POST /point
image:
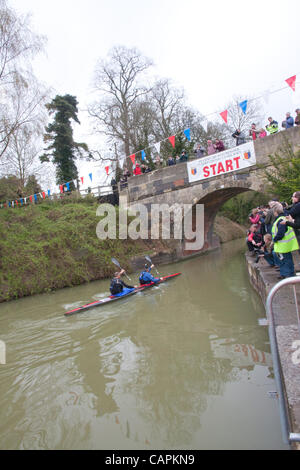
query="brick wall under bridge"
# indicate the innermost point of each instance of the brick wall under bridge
(171, 185)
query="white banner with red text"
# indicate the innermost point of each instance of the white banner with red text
(237, 158)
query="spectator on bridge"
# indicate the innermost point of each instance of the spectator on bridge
(145, 168)
(137, 171)
(289, 121)
(297, 119)
(272, 127)
(126, 173)
(158, 161)
(253, 132)
(171, 161)
(200, 151)
(239, 136)
(283, 124)
(211, 149)
(262, 133)
(184, 156)
(219, 146)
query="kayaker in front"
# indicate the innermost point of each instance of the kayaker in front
(118, 287)
(146, 276)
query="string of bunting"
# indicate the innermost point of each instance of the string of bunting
(291, 82)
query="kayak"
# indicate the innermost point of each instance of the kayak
(113, 298)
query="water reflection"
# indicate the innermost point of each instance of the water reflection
(157, 372)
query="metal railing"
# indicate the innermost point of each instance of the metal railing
(288, 436)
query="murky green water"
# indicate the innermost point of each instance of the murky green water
(183, 365)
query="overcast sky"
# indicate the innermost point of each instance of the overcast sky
(214, 49)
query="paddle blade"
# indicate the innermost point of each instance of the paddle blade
(116, 262)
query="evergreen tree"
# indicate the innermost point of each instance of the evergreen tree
(63, 149)
(284, 174)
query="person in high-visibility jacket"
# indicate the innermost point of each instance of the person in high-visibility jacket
(285, 242)
(272, 127)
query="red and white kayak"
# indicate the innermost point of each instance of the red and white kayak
(113, 298)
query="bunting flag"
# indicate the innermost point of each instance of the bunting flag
(143, 155)
(21, 201)
(13, 203)
(132, 158)
(68, 186)
(187, 133)
(266, 96)
(43, 194)
(35, 197)
(17, 203)
(224, 115)
(91, 176)
(25, 200)
(107, 169)
(30, 197)
(81, 177)
(292, 82)
(172, 140)
(204, 124)
(61, 188)
(49, 192)
(243, 105)
(157, 146)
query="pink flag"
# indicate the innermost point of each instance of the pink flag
(172, 140)
(61, 187)
(107, 169)
(81, 177)
(292, 82)
(30, 197)
(132, 158)
(224, 115)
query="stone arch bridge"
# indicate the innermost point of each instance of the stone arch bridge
(172, 185)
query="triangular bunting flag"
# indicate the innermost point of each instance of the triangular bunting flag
(157, 146)
(224, 115)
(243, 106)
(68, 186)
(132, 158)
(204, 124)
(107, 169)
(61, 188)
(172, 140)
(81, 177)
(292, 82)
(143, 155)
(49, 192)
(91, 176)
(35, 197)
(187, 133)
(43, 194)
(30, 197)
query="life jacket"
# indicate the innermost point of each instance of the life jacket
(288, 243)
(116, 286)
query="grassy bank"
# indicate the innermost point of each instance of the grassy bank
(54, 245)
(51, 246)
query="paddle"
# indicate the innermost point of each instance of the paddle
(150, 261)
(116, 262)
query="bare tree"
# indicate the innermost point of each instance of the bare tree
(118, 84)
(237, 119)
(18, 44)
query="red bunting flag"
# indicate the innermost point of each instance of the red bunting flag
(292, 82)
(44, 194)
(61, 187)
(30, 197)
(224, 115)
(81, 177)
(132, 158)
(172, 140)
(17, 202)
(107, 169)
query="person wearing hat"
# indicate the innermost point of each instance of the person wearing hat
(117, 285)
(146, 276)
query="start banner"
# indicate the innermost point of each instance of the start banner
(237, 158)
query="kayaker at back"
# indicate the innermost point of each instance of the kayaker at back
(117, 285)
(146, 276)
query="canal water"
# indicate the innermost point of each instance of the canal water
(184, 365)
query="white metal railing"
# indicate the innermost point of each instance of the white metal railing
(288, 436)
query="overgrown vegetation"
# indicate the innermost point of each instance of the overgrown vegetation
(54, 245)
(239, 207)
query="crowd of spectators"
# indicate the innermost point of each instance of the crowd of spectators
(274, 234)
(215, 146)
